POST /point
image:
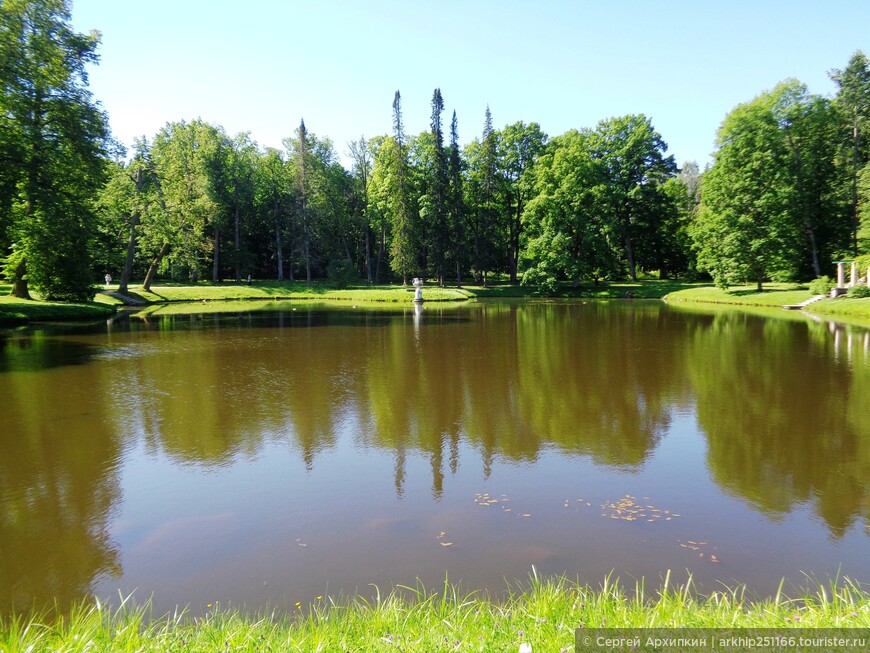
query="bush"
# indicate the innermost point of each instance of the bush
(821, 286)
(341, 273)
(859, 292)
(538, 278)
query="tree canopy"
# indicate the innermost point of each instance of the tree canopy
(787, 191)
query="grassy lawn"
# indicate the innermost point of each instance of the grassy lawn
(274, 290)
(776, 295)
(16, 311)
(207, 291)
(544, 615)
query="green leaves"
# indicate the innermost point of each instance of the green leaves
(52, 145)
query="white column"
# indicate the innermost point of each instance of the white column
(841, 275)
(854, 280)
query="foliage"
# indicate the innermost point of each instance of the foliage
(53, 143)
(859, 292)
(601, 203)
(821, 285)
(342, 273)
(742, 231)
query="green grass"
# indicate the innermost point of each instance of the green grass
(544, 614)
(207, 291)
(16, 311)
(774, 294)
(266, 290)
(777, 295)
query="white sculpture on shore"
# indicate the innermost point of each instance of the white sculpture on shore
(418, 292)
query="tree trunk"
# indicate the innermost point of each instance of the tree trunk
(155, 263)
(279, 246)
(216, 263)
(629, 255)
(368, 235)
(808, 224)
(237, 243)
(381, 248)
(856, 225)
(307, 261)
(127, 272)
(19, 282)
(515, 239)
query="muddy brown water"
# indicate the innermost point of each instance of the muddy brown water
(268, 459)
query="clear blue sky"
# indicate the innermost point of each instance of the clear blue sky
(261, 65)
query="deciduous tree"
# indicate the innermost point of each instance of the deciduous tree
(53, 142)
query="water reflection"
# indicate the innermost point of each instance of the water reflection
(61, 447)
(784, 425)
(781, 406)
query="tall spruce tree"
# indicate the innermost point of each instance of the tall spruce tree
(437, 228)
(456, 199)
(403, 248)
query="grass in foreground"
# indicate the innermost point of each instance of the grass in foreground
(544, 615)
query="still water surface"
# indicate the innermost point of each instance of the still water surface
(273, 458)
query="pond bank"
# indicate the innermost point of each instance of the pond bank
(856, 311)
(544, 615)
(16, 312)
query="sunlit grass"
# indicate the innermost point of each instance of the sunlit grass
(775, 295)
(542, 613)
(17, 311)
(264, 290)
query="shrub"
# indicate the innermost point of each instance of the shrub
(821, 286)
(341, 273)
(859, 292)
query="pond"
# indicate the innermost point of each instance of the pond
(274, 458)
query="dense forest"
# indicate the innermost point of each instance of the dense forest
(788, 190)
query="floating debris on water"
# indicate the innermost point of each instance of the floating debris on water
(441, 535)
(703, 549)
(628, 509)
(485, 499)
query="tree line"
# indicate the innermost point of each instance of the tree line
(786, 193)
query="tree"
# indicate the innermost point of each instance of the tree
(361, 157)
(808, 124)
(403, 248)
(273, 198)
(436, 220)
(743, 231)
(483, 201)
(301, 147)
(769, 203)
(233, 182)
(854, 99)
(630, 191)
(126, 200)
(53, 142)
(175, 235)
(562, 220)
(456, 213)
(519, 146)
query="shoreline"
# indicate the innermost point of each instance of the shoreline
(15, 312)
(542, 613)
